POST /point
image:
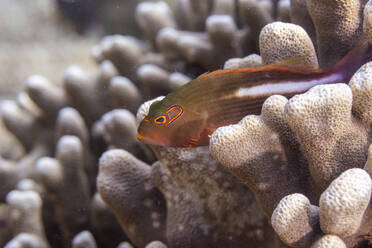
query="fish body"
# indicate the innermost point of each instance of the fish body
(190, 114)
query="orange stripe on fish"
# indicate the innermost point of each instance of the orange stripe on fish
(194, 139)
(176, 116)
(190, 144)
(252, 70)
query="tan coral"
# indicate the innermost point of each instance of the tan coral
(49, 97)
(266, 169)
(123, 51)
(367, 21)
(368, 165)
(122, 179)
(361, 86)
(125, 245)
(221, 42)
(296, 221)
(343, 204)
(329, 241)
(153, 75)
(302, 145)
(84, 239)
(281, 41)
(338, 27)
(119, 129)
(124, 93)
(255, 15)
(156, 244)
(300, 15)
(106, 227)
(8, 221)
(250, 61)
(26, 240)
(341, 214)
(85, 90)
(152, 16)
(27, 206)
(66, 174)
(331, 139)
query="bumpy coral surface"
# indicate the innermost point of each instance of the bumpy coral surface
(299, 173)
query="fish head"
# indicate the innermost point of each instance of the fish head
(161, 125)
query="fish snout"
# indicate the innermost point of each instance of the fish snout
(151, 138)
(139, 136)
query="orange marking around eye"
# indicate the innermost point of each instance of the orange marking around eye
(177, 115)
(165, 119)
(147, 121)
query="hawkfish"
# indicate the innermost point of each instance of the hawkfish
(189, 115)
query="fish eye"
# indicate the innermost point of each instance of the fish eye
(160, 120)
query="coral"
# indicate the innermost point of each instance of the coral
(299, 14)
(66, 174)
(7, 222)
(26, 240)
(252, 60)
(156, 244)
(339, 215)
(316, 124)
(256, 14)
(28, 227)
(329, 241)
(42, 119)
(82, 179)
(104, 224)
(124, 245)
(296, 221)
(84, 239)
(338, 32)
(343, 204)
(124, 93)
(152, 17)
(281, 41)
(368, 166)
(120, 123)
(367, 27)
(125, 185)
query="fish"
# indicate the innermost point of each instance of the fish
(189, 115)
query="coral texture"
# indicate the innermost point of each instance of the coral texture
(299, 172)
(309, 123)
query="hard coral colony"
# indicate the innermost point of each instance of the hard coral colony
(297, 175)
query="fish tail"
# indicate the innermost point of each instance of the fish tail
(353, 60)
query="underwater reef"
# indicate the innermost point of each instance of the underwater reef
(297, 175)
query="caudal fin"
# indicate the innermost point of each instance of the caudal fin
(353, 60)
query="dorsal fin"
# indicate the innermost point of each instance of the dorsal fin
(300, 63)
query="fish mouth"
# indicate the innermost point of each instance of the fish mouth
(140, 137)
(151, 139)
